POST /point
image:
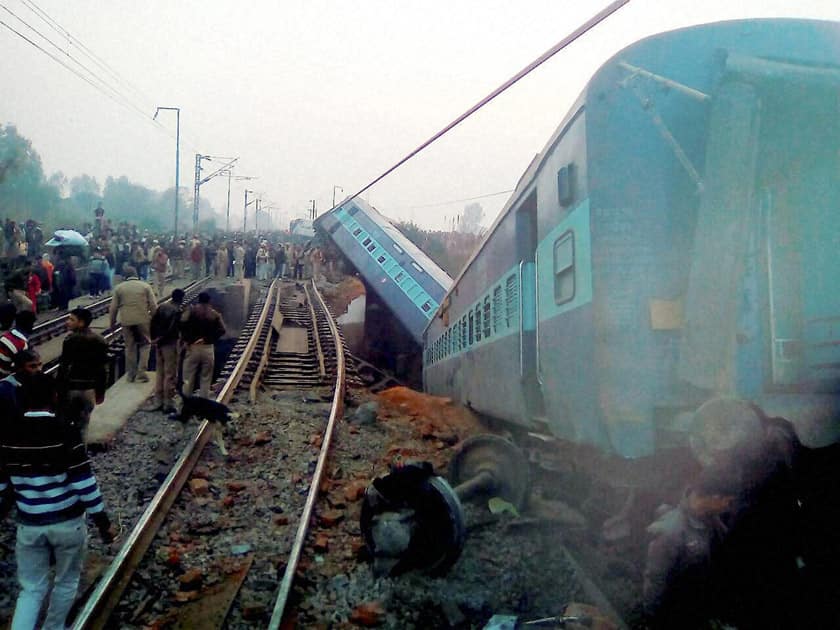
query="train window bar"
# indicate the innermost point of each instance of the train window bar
(398, 248)
(417, 267)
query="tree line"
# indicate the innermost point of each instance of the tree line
(58, 201)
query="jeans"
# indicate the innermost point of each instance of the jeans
(67, 542)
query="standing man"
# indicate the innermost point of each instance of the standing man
(196, 258)
(239, 261)
(43, 460)
(201, 327)
(81, 370)
(14, 340)
(135, 302)
(164, 330)
(280, 261)
(159, 263)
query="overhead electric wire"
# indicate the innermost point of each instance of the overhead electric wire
(93, 76)
(581, 30)
(94, 79)
(72, 39)
(446, 203)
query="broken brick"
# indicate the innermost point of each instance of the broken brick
(368, 614)
(199, 487)
(330, 518)
(355, 490)
(191, 580)
(200, 472)
(228, 501)
(236, 486)
(253, 611)
(281, 520)
(186, 596)
(321, 543)
(263, 437)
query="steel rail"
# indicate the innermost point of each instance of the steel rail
(108, 592)
(336, 413)
(319, 350)
(42, 332)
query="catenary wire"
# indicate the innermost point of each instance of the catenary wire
(578, 32)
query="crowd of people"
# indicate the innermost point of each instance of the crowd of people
(38, 277)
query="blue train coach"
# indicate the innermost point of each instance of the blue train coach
(676, 240)
(409, 283)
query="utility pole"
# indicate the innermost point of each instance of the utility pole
(257, 216)
(199, 180)
(245, 212)
(238, 178)
(312, 209)
(334, 189)
(177, 111)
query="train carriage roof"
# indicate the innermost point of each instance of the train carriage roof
(803, 32)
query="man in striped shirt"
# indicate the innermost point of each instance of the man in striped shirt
(14, 340)
(44, 463)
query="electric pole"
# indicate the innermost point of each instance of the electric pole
(312, 209)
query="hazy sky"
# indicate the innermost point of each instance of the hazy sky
(321, 93)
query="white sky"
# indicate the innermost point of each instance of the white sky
(317, 93)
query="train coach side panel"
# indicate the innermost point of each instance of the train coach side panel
(472, 348)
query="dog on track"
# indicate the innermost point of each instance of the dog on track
(216, 413)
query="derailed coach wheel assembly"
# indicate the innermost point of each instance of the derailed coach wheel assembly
(413, 519)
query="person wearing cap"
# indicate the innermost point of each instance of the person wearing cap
(201, 327)
(176, 254)
(160, 261)
(134, 302)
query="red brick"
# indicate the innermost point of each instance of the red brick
(368, 614)
(330, 518)
(199, 487)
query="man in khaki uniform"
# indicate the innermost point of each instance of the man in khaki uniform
(165, 325)
(135, 303)
(201, 327)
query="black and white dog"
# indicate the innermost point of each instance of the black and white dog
(216, 413)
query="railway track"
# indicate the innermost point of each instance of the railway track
(253, 365)
(57, 325)
(113, 336)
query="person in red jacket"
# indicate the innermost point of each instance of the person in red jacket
(33, 288)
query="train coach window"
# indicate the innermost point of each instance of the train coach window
(366, 242)
(478, 323)
(498, 309)
(487, 331)
(564, 268)
(399, 277)
(566, 185)
(371, 247)
(357, 231)
(464, 332)
(471, 336)
(511, 301)
(380, 260)
(427, 306)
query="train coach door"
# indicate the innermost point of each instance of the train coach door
(526, 249)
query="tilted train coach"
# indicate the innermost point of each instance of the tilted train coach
(676, 240)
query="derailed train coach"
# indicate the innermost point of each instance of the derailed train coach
(675, 241)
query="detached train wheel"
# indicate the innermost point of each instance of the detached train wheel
(501, 460)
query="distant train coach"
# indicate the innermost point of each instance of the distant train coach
(675, 241)
(407, 281)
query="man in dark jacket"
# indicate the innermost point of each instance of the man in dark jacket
(201, 327)
(164, 333)
(82, 367)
